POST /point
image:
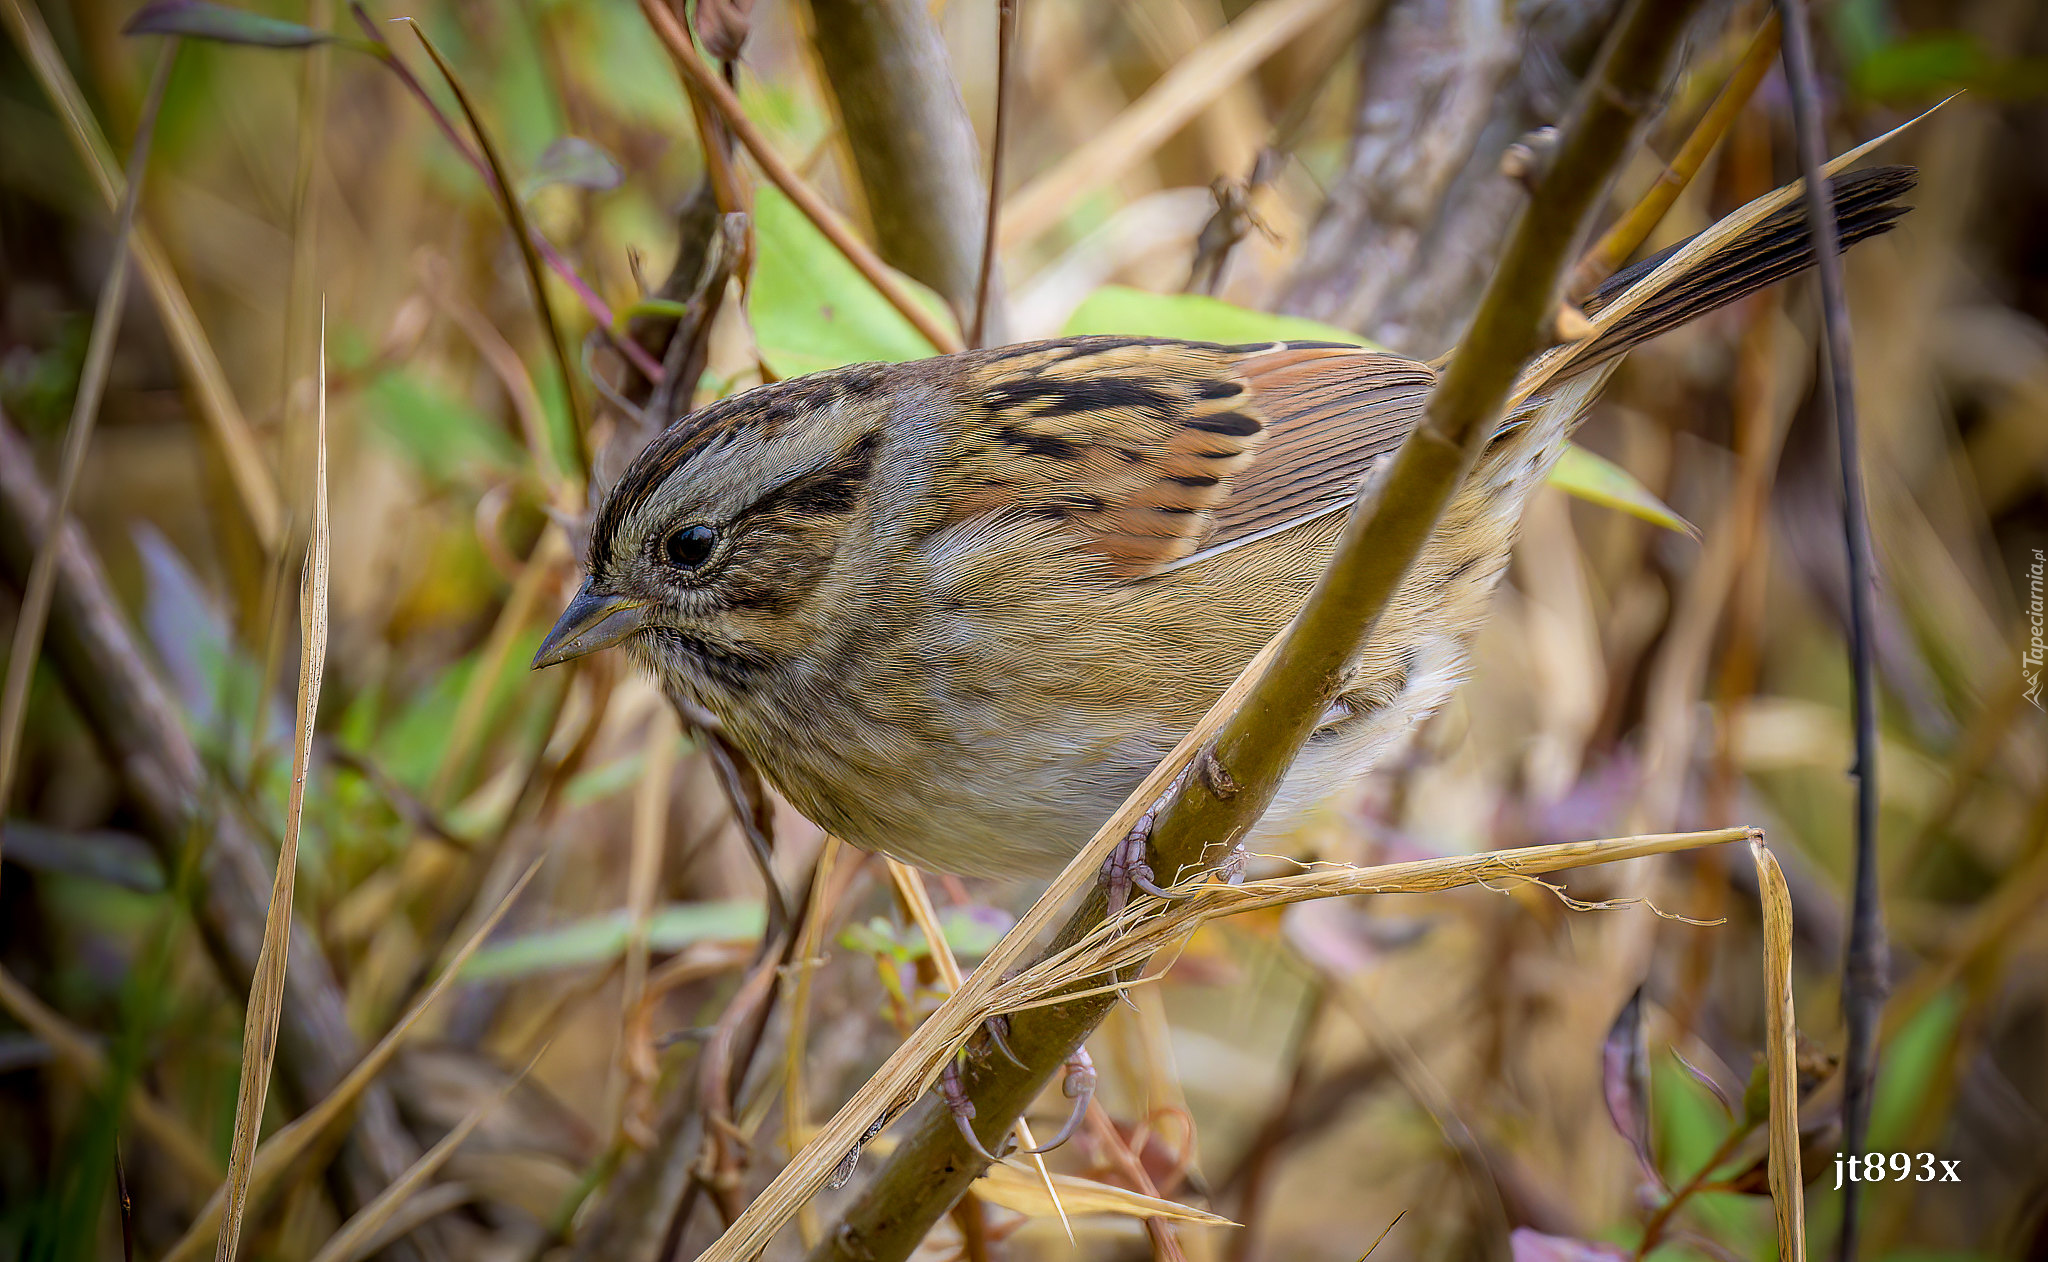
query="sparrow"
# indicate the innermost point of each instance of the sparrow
(957, 609)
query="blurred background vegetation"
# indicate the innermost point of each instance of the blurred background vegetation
(1308, 1074)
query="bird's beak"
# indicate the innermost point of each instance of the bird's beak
(594, 620)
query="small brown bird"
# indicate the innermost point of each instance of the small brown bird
(957, 609)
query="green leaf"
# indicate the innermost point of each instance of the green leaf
(200, 19)
(811, 309)
(1600, 481)
(1195, 317)
(577, 162)
(597, 939)
(1915, 1060)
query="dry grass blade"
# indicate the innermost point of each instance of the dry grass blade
(910, 886)
(34, 613)
(163, 1127)
(703, 80)
(298, 1137)
(799, 975)
(634, 1070)
(215, 400)
(1787, 1183)
(1179, 95)
(363, 1233)
(1631, 230)
(1014, 1190)
(266, 988)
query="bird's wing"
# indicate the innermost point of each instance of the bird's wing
(1149, 451)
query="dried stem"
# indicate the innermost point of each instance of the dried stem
(1006, 39)
(1864, 969)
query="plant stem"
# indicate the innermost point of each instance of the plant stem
(1864, 967)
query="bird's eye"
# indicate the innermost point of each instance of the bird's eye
(690, 547)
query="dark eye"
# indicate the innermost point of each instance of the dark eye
(690, 547)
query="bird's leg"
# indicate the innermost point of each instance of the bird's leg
(954, 1092)
(1126, 865)
(1077, 1085)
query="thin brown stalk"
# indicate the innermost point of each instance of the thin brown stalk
(266, 989)
(536, 279)
(704, 80)
(1254, 746)
(803, 968)
(34, 612)
(1631, 230)
(1864, 966)
(1006, 39)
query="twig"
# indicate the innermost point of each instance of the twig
(1006, 37)
(1180, 94)
(1864, 968)
(704, 80)
(85, 413)
(1632, 229)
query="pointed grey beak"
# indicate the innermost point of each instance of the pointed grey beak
(594, 620)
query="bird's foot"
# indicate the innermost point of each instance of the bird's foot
(954, 1091)
(1077, 1085)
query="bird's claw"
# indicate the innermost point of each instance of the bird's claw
(997, 1028)
(954, 1092)
(1126, 867)
(1079, 1086)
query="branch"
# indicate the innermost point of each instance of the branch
(1388, 527)
(1864, 968)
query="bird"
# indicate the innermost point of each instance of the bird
(956, 609)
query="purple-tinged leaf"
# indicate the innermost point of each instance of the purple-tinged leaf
(1706, 1080)
(1525, 1245)
(201, 19)
(1625, 1080)
(575, 161)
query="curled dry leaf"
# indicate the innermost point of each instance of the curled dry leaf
(1625, 1081)
(723, 25)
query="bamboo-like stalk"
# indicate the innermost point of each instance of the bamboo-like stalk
(1271, 710)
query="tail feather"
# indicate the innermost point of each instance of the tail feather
(1777, 247)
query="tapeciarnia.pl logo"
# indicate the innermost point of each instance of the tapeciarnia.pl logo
(2036, 652)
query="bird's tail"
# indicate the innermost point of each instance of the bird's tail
(1777, 246)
